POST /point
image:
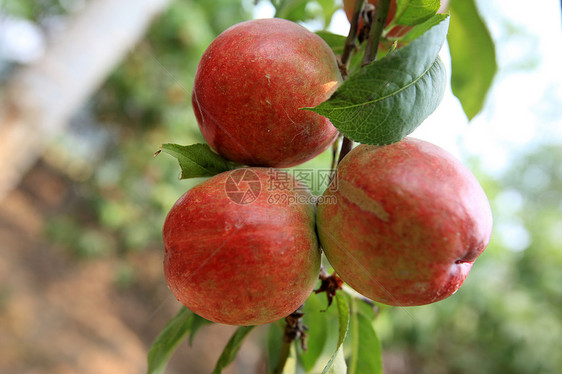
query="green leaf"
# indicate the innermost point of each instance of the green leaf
(343, 317)
(172, 334)
(367, 310)
(316, 321)
(339, 366)
(293, 10)
(274, 343)
(366, 355)
(291, 365)
(422, 28)
(335, 41)
(328, 8)
(414, 12)
(473, 56)
(196, 323)
(335, 364)
(232, 347)
(305, 10)
(390, 98)
(197, 160)
(337, 44)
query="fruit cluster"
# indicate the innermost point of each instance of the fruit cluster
(405, 223)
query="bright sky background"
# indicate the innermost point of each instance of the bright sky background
(524, 107)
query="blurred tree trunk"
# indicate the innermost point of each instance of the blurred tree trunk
(39, 99)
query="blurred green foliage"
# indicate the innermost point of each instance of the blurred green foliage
(507, 318)
(320, 11)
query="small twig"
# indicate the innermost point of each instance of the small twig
(379, 21)
(350, 41)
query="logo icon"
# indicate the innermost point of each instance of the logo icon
(242, 186)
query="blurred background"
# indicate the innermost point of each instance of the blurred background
(90, 89)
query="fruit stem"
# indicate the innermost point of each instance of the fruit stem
(350, 43)
(379, 20)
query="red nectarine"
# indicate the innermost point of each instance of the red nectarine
(250, 85)
(241, 247)
(409, 222)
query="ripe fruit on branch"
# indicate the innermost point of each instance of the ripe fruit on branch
(241, 247)
(408, 224)
(250, 85)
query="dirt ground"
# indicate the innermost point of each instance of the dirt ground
(62, 314)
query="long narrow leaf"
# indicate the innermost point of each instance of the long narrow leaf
(338, 366)
(291, 365)
(473, 56)
(354, 335)
(366, 349)
(335, 364)
(316, 319)
(196, 323)
(274, 343)
(232, 347)
(164, 345)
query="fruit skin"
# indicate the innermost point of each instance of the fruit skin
(408, 223)
(250, 85)
(242, 264)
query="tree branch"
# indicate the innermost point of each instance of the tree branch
(379, 21)
(350, 43)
